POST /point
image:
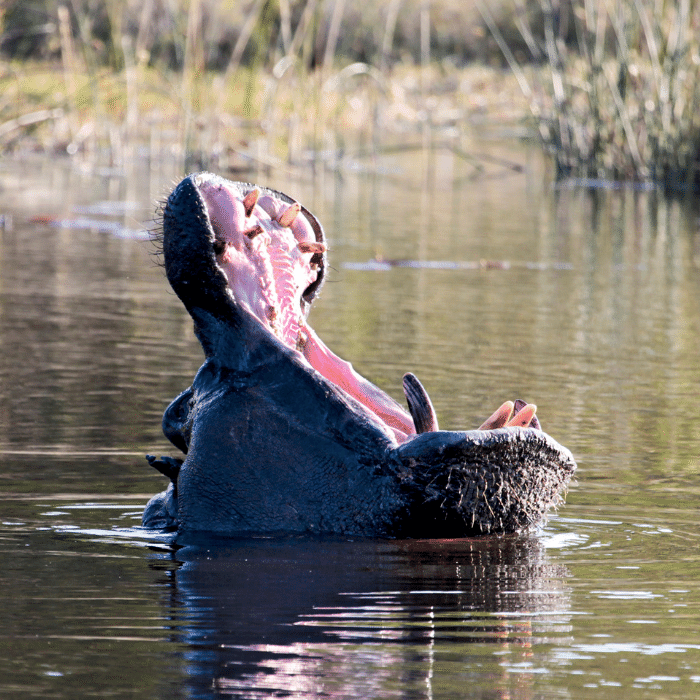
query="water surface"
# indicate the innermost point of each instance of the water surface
(586, 302)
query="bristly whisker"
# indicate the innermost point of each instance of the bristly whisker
(155, 239)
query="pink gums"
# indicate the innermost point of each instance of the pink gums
(266, 257)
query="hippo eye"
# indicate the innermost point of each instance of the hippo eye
(219, 246)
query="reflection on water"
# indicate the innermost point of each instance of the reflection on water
(595, 317)
(364, 619)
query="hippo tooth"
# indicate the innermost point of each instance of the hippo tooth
(523, 417)
(306, 247)
(255, 231)
(288, 216)
(250, 200)
(419, 404)
(519, 405)
(500, 417)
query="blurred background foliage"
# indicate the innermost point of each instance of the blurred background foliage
(609, 87)
(381, 33)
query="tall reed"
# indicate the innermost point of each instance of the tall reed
(623, 101)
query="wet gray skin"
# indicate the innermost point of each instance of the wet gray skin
(282, 436)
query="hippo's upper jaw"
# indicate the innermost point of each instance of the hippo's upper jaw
(281, 435)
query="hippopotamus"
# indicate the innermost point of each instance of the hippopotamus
(282, 436)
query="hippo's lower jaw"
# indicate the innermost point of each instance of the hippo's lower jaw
(283, 436)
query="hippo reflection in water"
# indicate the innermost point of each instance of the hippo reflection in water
(281, 435)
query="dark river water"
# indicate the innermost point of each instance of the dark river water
(586, 302)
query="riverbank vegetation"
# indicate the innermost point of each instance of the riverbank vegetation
(610, 88)
(618, 96)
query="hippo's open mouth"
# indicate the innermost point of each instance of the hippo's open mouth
(273, 253)
(280, 434)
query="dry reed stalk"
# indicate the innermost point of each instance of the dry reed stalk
(303, 27)
(141, 50)
(192, 72)
(333, 32)
(424, 45)
(68, 65)
(67, 50)
(389, 30)
(505, 49)
(285, 26)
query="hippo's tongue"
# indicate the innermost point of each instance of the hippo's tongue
(344, 376)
